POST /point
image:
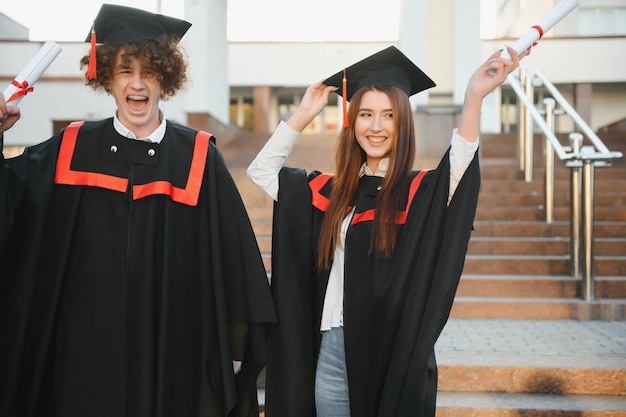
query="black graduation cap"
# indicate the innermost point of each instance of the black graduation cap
(388, 67)
(117, 25)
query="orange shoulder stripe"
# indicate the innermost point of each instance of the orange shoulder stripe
(65, 175)
(401, 216)
(319, 201)
(188, 195)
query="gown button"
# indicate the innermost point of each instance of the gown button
(378, 188)
(113, 148)
(151, 152)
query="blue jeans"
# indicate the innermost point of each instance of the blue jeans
(331, 377)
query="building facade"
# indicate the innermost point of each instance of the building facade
(253, 85)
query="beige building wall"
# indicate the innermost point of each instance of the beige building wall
(441, 36)
(441, 50)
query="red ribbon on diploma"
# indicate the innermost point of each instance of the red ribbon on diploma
(23, 89)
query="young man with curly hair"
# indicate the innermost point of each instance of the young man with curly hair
(132, 283)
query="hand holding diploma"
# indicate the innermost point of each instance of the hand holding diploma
(562, 9)
(23, 84)
(8, 116)
(26, 79)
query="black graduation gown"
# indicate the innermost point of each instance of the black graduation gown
(394, 309)
(124, 264)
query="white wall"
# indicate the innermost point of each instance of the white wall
(295, 64)
(207, 47)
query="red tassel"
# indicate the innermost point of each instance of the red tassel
(92, 71)
(344, 94)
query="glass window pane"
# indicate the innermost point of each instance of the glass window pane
(621, 22)
(606, 22)
(586, 22)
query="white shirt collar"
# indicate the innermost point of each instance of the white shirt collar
(383, 165)
(156, 136)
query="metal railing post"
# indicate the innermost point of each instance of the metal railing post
(575, 140)
(549, 104)
(588, 285)
(581, 160)
(521, 124)
(528, 133)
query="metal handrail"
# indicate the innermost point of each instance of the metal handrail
(530, 107)
(603, 155)
(595, 140)
(580, 159)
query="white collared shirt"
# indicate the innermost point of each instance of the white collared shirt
(332, 313)
(156, 136)
(263, 171)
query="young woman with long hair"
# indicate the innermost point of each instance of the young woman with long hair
(366, 262)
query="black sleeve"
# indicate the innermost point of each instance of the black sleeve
(238, 338)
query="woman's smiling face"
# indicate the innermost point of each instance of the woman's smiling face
(137, 93)
(374, 127)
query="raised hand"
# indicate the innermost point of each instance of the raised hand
(314, 100)
(493, 72)
(8, 115)
(485, 79)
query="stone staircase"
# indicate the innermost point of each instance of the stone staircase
(517, 271)
(518, 265)
(516, 275)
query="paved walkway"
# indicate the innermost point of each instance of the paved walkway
(536, 342)
(543, 343)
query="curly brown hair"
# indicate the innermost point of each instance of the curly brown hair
(163, 55)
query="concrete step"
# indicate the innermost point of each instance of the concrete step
(537, 213)
(537, 368)
(543, 308)
(527, 228)
(500, 184)
(471, 404)
(496, 404)
(262, 223)
(568, 357)
(265, 244)
(538, 265)
(544, 245)
(262, 228)
(537, 286)
(516, 178)
(495, 212)
(536, 198)
(261, 212)
(454, 404)
(519, 375)
(608, 221)
(520, 245)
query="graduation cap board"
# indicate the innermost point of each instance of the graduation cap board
(117, 25)
(389, 67)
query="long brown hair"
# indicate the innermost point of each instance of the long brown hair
(348, 160)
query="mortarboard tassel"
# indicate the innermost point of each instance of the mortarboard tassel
(92, 71)
(344, 94)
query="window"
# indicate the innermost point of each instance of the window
(602, 21)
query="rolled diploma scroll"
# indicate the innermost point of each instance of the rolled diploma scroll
(23, 83)
(562, 9)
